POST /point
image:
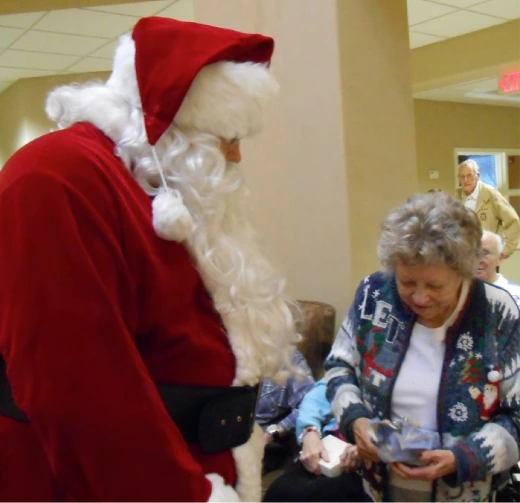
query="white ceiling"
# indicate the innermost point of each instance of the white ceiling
(82, 40)
(432, 21)
(435, 20)
(72, 40)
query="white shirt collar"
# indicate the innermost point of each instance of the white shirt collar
(500, 281)
(475, 193)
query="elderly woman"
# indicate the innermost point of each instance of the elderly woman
(426, 341)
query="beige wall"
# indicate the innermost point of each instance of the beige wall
(295, 168)
(22, 108)
(12, 131)
(442, 126)
(378, 119)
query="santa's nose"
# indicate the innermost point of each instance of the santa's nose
(233, 153)
(231, 149)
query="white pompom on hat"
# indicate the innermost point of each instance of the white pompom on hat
(494, 375)
(171, 219)
(198, 77)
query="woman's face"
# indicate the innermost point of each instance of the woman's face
(431, 292)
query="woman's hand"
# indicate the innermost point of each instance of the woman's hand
(367, 450)
(440, 463)
(312, 451)
(349, 459)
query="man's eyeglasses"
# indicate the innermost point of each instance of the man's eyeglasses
(466, 177)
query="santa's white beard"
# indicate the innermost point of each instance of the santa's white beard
(246, 290)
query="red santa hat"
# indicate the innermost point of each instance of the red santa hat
(198, 77)
(201, 77)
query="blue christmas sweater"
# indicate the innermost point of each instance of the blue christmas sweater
(481, 427)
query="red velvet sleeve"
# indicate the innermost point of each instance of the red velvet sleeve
(75, 371)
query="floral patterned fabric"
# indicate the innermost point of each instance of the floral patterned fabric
(479, 392)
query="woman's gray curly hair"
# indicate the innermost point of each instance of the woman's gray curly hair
(430, 229)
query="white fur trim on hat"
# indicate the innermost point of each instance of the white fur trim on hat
(123, 77)
(221, 491)
(227, 99)
(171, 219)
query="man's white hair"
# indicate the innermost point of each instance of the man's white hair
(498, 240)
(470, 164)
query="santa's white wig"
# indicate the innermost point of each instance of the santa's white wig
(203, 198)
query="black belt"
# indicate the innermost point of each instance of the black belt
(216, 418)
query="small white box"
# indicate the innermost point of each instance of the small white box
(335, 448)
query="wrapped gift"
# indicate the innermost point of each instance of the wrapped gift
(335, 448)
(402, 440)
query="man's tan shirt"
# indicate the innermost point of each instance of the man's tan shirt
(496, 215)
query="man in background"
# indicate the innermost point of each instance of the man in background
(492, 247)
(494, 212)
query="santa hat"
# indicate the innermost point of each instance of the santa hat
(201, 77)
(197, 77)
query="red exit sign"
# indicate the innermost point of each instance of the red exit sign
(510, 82)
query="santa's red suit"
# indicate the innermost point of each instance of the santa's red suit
(96, 310)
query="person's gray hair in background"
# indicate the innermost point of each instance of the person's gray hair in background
(429, 229)
(498, 240)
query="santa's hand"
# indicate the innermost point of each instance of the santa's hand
(440, 462)
(221, 491)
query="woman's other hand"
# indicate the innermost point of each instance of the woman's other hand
(367, 451)
(312, 451)
(440, 462)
